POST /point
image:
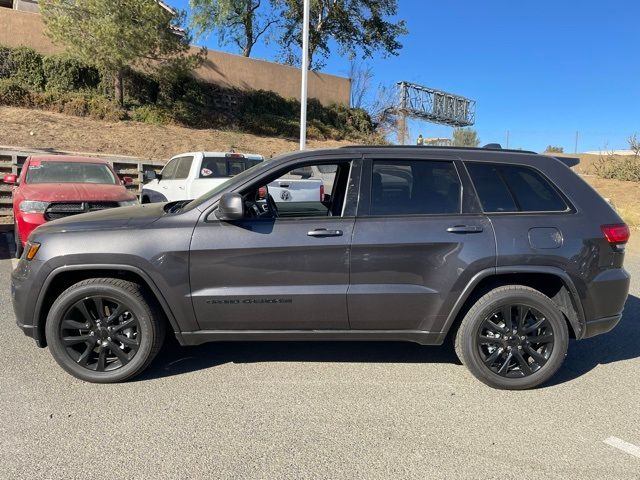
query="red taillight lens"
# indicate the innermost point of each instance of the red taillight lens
(616, 233)
(321, 193)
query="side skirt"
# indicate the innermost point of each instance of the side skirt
(203, 336)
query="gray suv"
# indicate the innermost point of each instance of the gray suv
(506, 253)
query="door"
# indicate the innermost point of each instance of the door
(174, 178)
(265, 272)
(418, 240)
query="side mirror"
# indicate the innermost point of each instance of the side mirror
(12, 179)
(230, 207)
(304, 172)
(127, 180)
(151, 175)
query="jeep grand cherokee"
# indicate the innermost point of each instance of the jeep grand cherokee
(508, 253)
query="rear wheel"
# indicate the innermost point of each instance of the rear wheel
(513, 338)
(17, 241)
(104, 330)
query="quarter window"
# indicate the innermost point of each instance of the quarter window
(414, 187)
(513, 188)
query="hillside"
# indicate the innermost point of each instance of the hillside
(27, 128)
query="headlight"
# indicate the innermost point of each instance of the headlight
(33, 206)
(128, 203)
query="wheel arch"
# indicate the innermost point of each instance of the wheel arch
(551, 281)
(63, 277)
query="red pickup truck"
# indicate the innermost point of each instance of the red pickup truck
(52, 187)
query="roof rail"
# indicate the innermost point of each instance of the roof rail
(435, 147)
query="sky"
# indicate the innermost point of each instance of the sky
(540, 70)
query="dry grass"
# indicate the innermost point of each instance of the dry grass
(75, 134)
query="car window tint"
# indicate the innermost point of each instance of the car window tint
(533, 193)
(235, 167)
(493, 192)
(406, 187)
(169, 171)
(513, 188)
(69, 172)
(213, 167)
(183, 168)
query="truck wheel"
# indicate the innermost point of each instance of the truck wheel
(104, 330)
(513, 338)
(17, 241)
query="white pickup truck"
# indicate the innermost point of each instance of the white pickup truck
(189, 175)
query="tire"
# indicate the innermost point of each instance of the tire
(88, 351)
(502, 359)
(18, 242)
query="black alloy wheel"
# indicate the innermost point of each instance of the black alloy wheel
(513, 337)
(100, 333)
(515, 341)
(105, 330)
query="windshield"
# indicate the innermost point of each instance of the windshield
(239, 178)
(69, 172)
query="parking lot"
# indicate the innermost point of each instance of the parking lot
(319, 410)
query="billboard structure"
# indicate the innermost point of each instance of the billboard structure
(435, 106)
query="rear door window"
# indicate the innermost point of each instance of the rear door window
(414, 187)
(514, 188)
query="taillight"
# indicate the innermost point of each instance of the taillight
(321, 193)
(616, 234)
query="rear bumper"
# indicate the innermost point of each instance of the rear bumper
(600, 326)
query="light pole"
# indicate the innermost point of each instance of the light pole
(305, 76)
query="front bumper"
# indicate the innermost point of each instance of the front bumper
(26, 283)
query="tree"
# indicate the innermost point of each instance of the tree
(361, 76)
(356, 26)
(240, 22)
(117, 34)
(554, 149)
(465, 137)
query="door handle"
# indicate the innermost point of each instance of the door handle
(181, 188)
(323, 232)
(465, 229)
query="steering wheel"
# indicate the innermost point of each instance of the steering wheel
(273, 208)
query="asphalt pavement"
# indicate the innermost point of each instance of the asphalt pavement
(320, 410)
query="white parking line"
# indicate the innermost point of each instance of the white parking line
(14, 263)
(620, 444)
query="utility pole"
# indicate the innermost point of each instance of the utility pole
(402, 120)
(507, 138)
(575, 149)
(305, 76)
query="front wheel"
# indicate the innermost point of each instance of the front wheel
(513, 338)
(104, 330)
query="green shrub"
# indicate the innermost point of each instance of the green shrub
(140, 87)
(104, 109)
(76, 106)
(7, 67)
(67, 74)
(28, 69)
(13, 94)
(152, 114)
